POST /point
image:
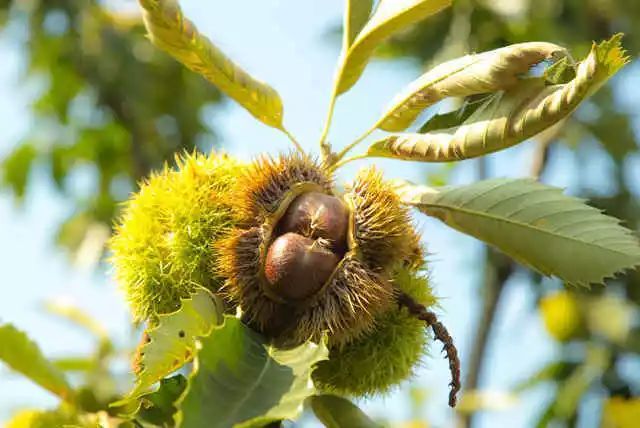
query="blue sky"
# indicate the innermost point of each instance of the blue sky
(282, 42)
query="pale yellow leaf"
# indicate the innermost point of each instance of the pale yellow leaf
(485, 400)
(356, 15)
(470, 75)
(508, 117)
(171, 31)
(389, 17)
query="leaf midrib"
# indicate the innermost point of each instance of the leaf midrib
(252, 388)
(524, 226)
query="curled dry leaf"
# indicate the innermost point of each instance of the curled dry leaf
(508, 117)
(470, 75)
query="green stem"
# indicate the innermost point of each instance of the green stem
(292, 139)
(342, 162)
(325, 146)
(357, 141)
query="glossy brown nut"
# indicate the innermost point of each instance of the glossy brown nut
(317, 215)
(296, 267)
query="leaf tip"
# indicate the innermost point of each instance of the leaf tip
(611, 53)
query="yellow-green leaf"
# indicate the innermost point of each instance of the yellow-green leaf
(535, 224)
(171, 31)
(571, 392)
(23, 356)
(389, 17)
(172, 341)
(78, 317)
(470, 75)
(508, 117)
(356, 15)
(75, 364)
(621, 412)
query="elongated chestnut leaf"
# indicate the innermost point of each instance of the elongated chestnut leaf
(508, 117)
(389, 17)
(338, 412)
(486, 72)
(535, 224)
(172, 341)
(22, 355)
(172, 32)
(356, 15)
(242, 381)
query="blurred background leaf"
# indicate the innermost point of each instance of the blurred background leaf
(337, 412)
(104, 109)
(24, 356)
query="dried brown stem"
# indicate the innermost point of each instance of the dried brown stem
(440, 331)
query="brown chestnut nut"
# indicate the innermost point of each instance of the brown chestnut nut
(296, 267)
(317, 215)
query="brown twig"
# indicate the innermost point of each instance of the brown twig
(440, 331)
(541, 153)
(498, 269)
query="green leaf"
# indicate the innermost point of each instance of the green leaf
(242, 381)
(356, 15)
(16, 166)
(571, 391)
(172, 342)
(78, 317)
(75, 364)
(172, 32)
(535, 224)
(338, 412)
(389, 17)
(454, 117)
(158, 408)
(23, 356)
(508, 117)
(470, 75)
(556, 371)
(560, 72)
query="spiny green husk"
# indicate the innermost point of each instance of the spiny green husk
(163, 246)
(381, 359)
